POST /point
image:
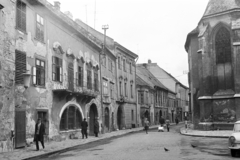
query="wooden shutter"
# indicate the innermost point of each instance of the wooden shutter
(53, 69)
(21, 15)
(20, 66)
(34, 77)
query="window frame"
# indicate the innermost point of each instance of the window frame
(20, 66)
(41, 25)
(41, 69)
(58, 67)
(22, 14)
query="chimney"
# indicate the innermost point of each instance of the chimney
(149, 61)
(57, 5)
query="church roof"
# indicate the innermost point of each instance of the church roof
(218, 6)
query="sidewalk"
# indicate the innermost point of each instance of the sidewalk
(212, 134)
(55, 147)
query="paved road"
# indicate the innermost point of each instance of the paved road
(141, 146)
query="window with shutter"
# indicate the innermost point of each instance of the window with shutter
(20, 66)
(89, 79)
(40, 28)
(80, 76)
(21, 16)
(40, 72)
(96, 81)
(56, 69)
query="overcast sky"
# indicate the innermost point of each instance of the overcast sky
(153, 29)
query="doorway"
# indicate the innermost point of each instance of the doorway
(93, 114)
(106, 119)
(119, 117)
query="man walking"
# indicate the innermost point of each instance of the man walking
(39, 132)
(162, 121)
(84, 125)
(167, 123)
(146, 125)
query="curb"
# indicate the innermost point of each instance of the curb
(207, 136)
(70, 148)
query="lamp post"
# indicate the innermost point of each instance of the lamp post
(104, 27)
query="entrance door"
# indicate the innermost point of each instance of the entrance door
(70, 77)
(93, 115)
(107, 119)
(20, 129)
(119, 118)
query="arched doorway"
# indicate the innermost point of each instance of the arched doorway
(119, 117)
(106, 120)
(160, 114)
(93, 114)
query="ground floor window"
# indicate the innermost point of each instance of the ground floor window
(71, 119)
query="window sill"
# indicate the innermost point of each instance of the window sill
(37, 86)
(20, 30)
(72, 130)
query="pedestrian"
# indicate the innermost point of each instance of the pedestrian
(186, 122)
(161, 121)
(168, 123)
(84, 126)
(39, 132)
(146, 125)
(96, 127)
(176, 120)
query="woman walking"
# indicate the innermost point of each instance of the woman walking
(146, 125)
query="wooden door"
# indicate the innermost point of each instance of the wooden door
(20, 129)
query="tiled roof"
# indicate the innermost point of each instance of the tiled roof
(218, 6)
(148, 77)
(141, 82)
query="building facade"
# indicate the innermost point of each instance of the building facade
(126, 84)
(213, 51)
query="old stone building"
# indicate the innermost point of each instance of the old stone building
(152, 96)
(213, 53)
(126, 84)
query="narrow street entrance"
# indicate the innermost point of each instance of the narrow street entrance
(93, 114)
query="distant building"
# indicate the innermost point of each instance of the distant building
(213, 53)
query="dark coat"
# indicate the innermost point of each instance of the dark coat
(41, 131)
(96, 127)
(162, 121)
(84, 125)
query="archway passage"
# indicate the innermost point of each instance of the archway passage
(106, 122)
(119, 117)
(71, 119)
(93, 115)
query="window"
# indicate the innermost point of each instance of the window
(110, 67)
(104, 61)
(119, 63)
(132, 115)
(40, 28)
(131, 90)
(224, 59)
(124, 65)
(141, 97)
(120, 87)
(80, 76)
(130, 67)
(39, 73)
(44, 117)
(21, 16)
(147, 97)
(112, 90)
(125, 88)
(105, 87)
(71, 119)
(89, 79)
(20, 66)
(57, 69)
(96, 81)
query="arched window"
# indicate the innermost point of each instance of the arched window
(71, 119)
(223, 59)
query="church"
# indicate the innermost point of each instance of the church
(213, 49)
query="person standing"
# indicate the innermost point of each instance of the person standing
(168, 123)
(96, 127)
(39, 132)
(84, 126)
(146, 125)
(176, 120)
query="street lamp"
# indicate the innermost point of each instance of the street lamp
(104, 27)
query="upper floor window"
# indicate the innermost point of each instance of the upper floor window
(39, 73)
(120, 87)
(105, 87)
(125, 88)
(104, 61)
(96, 81)
(40, 28)
(20, 66)
(110, 65)
(131, 90)
(56, 69)
(89, 78)
(80, 76)
(119, 63)
(124, 65)
(21, 16)
(111, 90)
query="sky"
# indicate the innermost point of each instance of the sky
(153, 29)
